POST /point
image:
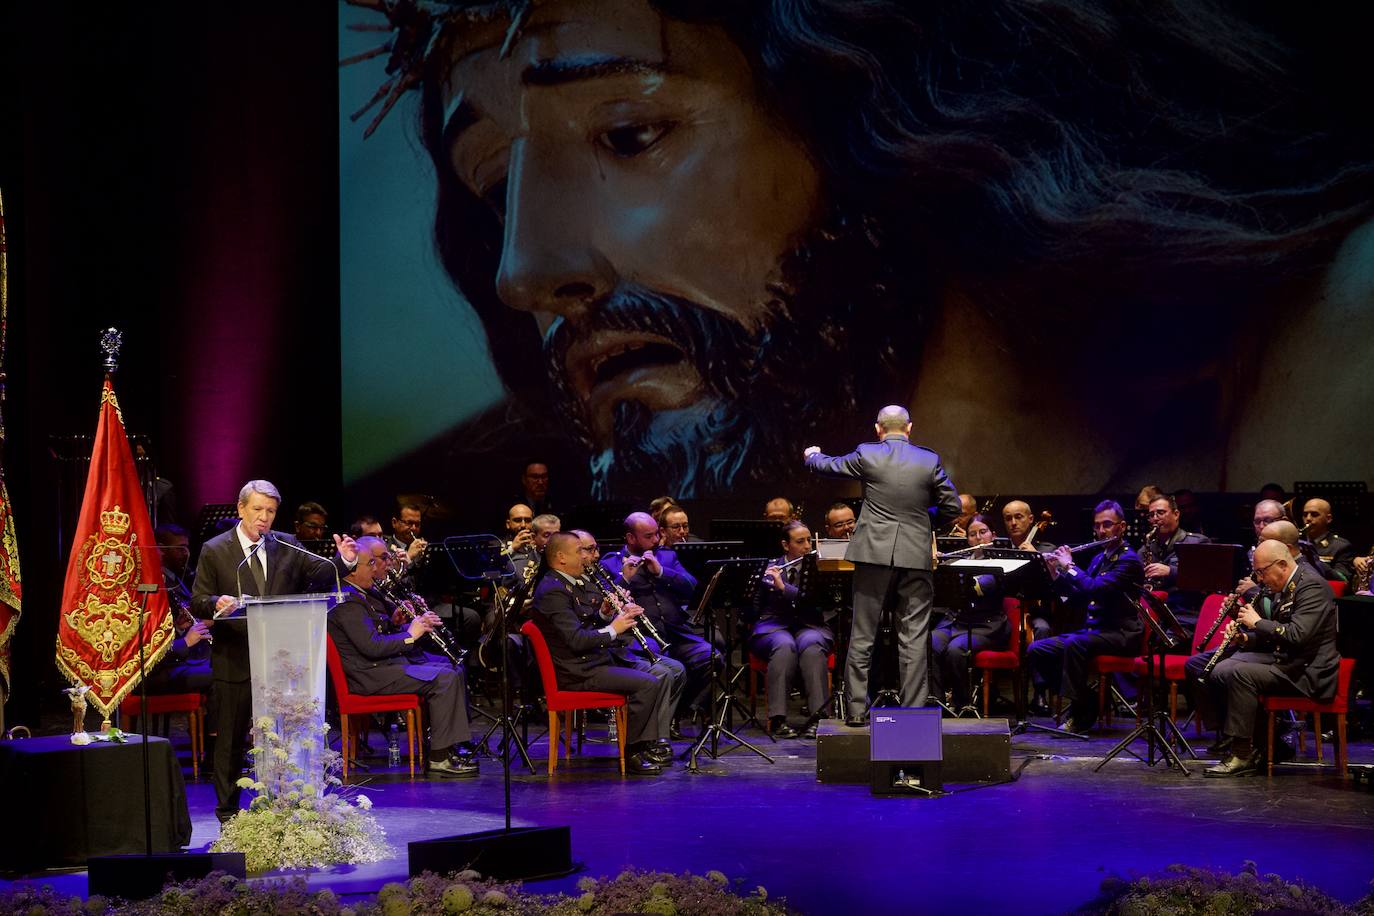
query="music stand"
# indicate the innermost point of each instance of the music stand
(207, 522)
(956, 585)
(717, 711)
(760, 536)
(1158, 625)
(695, 556)
(479, 556)
(322, 547)
(1209, 568)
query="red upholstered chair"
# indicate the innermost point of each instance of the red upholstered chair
(1105, 665)
(1338, 706)
(569, 701)
(1173, 671)
(1008, 659)
(1338, 587)
(352, 704)
(193, 704)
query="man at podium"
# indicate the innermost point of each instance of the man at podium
(249, 559)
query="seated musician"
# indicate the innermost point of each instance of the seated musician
(1292, 654)
(1265, 604)
(987, 618)
(968, 508)
(1364, 572)
(379, 659)
(840, 521)
(1026, 534)
(779, 509)
(597, 609)
(583, 657)
(1107, 592)
(520, 544)
(676, 527)
(1159, 553)
(185, 668)
(312, 522)
(405, 533)
(1335, 553)
(658, 583)
(789, 633)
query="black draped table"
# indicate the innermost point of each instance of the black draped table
(65, 803)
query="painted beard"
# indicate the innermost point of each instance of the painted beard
(668, 394)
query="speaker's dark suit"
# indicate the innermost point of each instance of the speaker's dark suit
(582, 658)
(378, 661)
(891, 549)
(289, 572)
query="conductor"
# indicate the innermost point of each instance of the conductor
(906, 495)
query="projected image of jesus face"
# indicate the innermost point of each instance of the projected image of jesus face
(650, 216)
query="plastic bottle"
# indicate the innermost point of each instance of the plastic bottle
(393, 746)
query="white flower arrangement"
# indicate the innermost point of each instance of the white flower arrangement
(299, 819)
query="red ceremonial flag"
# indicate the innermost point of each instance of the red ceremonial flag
(113, 552)
(11, 592)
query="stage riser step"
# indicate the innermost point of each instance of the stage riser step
(975, 750)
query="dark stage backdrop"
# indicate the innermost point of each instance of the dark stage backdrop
(1091, 246)
(169, 169)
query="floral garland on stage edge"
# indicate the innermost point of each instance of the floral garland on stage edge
(295, 820)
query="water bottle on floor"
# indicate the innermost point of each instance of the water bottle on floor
(393, 746)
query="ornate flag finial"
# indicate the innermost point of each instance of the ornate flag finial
(111, 339)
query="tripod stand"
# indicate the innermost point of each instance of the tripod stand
(1158, 642)
(719, 705)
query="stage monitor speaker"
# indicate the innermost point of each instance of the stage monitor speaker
(136, 877)
(518, 854)
(905, 750)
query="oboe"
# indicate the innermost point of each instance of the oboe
(618, 604)
(604, 581)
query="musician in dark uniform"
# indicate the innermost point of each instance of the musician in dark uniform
(186, 666)
(1303, 660)
(906, 496)
(984, 616)
(583, 658)
(595, 609)
(789, 633)
(1159, 553)
(247, 560)
(1106, 593)
(1026, 534)
(381, 658)
(1335, 553)
(658, 583)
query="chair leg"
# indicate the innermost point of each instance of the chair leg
(420, 734)
(1342, 752)
(622, 723)
(1317, 734)
(1302, 732)
(343, 743)
(567, 728)
(987, 682)
(1173, 701)
(410, 741)
(553, 741)
(193, 726)
(1269, 743)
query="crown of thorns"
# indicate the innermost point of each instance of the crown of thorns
(416, 27)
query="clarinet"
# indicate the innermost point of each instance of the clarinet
(1221, 652)
(618, 604)
(389, 588)
(604, 582)
(1229, 608)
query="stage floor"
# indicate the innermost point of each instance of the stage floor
(1039, 845)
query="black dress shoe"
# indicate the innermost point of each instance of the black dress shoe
(642, 764)
(662, 754)
(778, 728)
(675, 733)
(809, 733)
(855, 721)
(454, 768)
(1235, 766)
(1220, 748)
